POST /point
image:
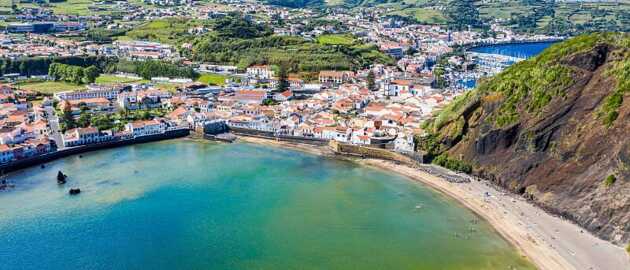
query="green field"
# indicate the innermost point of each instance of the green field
(423, 15)
(336, 39)
(112, 79)
(212, 79)
(49, 87)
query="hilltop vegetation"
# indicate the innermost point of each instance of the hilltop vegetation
(550, 128)
(245, 43)
(170, 30)
(239, 41)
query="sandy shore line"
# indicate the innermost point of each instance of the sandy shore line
(548, 241)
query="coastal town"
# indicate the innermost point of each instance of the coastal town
(382, 105)
(461, 96)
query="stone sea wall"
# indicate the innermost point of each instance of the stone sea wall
(372, 152)
(28, 162)
(272, 136)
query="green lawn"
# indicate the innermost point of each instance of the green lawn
(212, 79)
(74, 7)
(112, 79)
(336, 39)
(49, 87)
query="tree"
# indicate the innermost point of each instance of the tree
(371, 84)
(23, 69)
(67, 120)
(283, 83)
(90, 74)
(84, 119)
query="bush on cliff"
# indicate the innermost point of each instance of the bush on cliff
(452, 164)
(610, 180)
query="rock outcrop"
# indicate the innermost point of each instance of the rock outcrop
(556, 129)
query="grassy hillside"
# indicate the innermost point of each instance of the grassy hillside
(529, 86)
(559, 121)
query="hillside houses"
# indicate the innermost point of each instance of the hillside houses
(332, 78)
(262, 72)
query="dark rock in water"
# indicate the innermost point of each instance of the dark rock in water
(42, 166)
(61, 178)
(74, 191)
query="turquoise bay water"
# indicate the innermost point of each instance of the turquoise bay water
(199, 205)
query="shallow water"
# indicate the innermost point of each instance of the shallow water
(199, 205)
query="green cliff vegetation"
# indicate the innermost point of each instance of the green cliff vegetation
(529, 86)
(453, 164)
(610, 110)
(610, 180)
(524, 91)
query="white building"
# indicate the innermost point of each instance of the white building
(101, 93)
(145, 128)
(404, 143)
(84, 136)
(260, 72)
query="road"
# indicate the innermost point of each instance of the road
(53, 122)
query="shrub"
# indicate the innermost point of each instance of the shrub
(610, 110)
(611, 179)
(452, 164)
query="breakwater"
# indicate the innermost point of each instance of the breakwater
(65, 152)
(374, 152)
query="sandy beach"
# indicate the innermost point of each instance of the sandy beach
(548, 241)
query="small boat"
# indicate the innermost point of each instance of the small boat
(74, 191)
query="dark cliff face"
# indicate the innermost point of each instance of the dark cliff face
(565, 146)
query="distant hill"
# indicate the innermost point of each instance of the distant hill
(554, 129)
(540, 16)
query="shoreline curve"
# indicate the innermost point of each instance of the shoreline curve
(549, 242)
